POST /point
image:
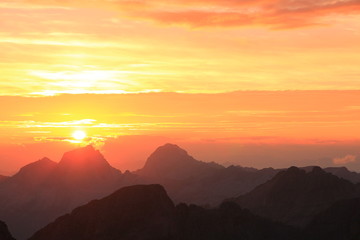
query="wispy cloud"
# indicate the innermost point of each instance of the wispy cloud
(224, 13)
(344, 160)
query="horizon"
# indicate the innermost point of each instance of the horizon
(336, 162)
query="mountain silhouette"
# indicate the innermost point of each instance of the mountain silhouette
(84, 167)
(33, 174)
(43, 190)
(172, 162)
(344, 173)
(340, 221)
(295, 196)
(4, 232)
(189, 180)
(146, 212)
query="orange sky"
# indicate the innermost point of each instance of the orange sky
(215, 70)
(81, 46)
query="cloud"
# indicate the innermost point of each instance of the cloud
(224, 13)
(344, 160)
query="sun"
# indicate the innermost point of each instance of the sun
(79, 135)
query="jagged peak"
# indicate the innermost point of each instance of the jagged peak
(35, 171)
(84, 162)
(291, 172)
(168, 154)
(82, 155)
(169, 147)
(317, 169)
(38, 165)
(294, 170)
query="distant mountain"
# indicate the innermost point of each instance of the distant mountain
(295, 196)
(172, 162)
(341, 172)
(33, 174)
(344, 173)
(146, 212)
(340, 221)
(43, 190)
(137, 212)
(4, 232)
(189, 180)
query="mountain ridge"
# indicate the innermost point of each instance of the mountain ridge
(294, 196)
(146, 212)
(81, 175)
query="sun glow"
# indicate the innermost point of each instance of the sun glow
(79, 135)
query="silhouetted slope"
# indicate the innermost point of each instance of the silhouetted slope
(20, 197)
(137, 212)
(43, 190)
(146, 212)
(85, 168)
(228, 221)
(343, 172)
(189, 180)
(83, 164)
(33, 174)
(339, 222)
(172, 162)
(294, 196)
(4, 232)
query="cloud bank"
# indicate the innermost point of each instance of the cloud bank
(224, 13)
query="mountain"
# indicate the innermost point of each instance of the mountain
(295, 196)
(341, 172)
(172, 162)
(33, 174)
(340, 221)
(189, 180)
(344, 173)
(43, 190)
(4, 232)
(137, 212)
(146, 212)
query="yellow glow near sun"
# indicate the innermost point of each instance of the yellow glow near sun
(84, 75)
(79, 135)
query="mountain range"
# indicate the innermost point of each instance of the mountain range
(189, 180)
(295, 196)
(146, 212)
(44, 190)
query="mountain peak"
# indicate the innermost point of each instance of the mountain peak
(292, 172)
(85, 163)
(172, 162)
(81, 157)
(170, 148)
(134, 212)
(317, 169)
(36, 169)
(167, 154)
(291, 196)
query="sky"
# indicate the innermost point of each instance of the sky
(229, 76)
